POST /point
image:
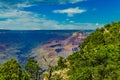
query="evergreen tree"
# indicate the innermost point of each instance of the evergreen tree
(11, 70)
(99, 56)
(33, 69)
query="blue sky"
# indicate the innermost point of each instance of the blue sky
(57, 14)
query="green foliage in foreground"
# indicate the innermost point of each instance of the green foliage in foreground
(61, 64)
(99, 57)
(11, 70)
(33, 69)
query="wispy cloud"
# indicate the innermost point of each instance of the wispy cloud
(11, 13)
(68, 1)
(29, 3)
(70, 11)
(15, 19)
(24, 20)
(13, 16)
(4, 4)
(76, 1)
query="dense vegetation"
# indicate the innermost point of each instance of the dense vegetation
(11, 70)
(99, 57)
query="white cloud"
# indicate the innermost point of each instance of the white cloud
(71, 21)
(23, 5)
(97, 24)
(68, 1)
(12, 13)
(81, 26)
(15, 4)
(24, 20)
(29, 3)
(14, 18)
(70, 11)
(76, 1)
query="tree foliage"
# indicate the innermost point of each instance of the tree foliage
(61, 64)
(33, 69)
(11, 70)
(99, 57)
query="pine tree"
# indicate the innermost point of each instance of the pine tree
(33, 69)
(10, 70)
